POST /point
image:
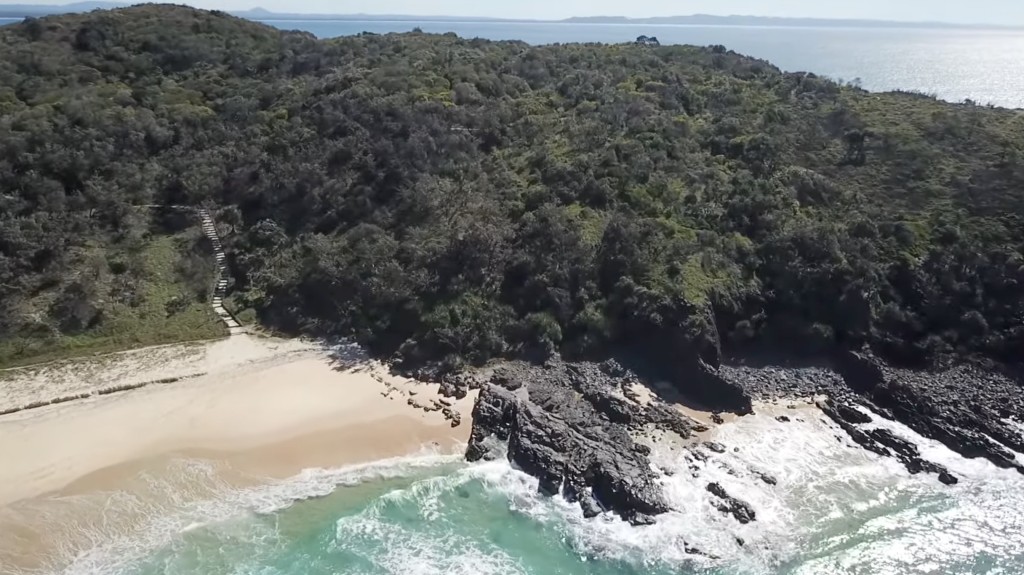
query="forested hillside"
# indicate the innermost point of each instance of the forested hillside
(459, 200)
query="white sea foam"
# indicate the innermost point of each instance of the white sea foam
(191, 496)
(835, 508)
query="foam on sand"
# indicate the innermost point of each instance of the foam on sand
(182, 497)
(266, 410)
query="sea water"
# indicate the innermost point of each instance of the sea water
(835, 509)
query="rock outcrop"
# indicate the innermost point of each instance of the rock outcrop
(882, 441)
(572, 425)
(970, 410)
(730, 505)
(710, 387)
(569, 425)
(775, 382)
(967, 409)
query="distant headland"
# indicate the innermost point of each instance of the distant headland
(29, 10)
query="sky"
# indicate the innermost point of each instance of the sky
(1006, 12)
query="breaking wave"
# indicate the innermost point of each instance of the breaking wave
(834, 508)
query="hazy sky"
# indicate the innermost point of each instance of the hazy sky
(1009, 12)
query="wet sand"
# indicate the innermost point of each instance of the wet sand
(264, 410)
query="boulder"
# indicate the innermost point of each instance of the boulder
(730, 505)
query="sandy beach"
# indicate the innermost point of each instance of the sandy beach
(262, 409)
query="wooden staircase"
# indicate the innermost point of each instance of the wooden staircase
(234, 327)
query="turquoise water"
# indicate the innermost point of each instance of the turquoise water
(981, 65)
(836, 509)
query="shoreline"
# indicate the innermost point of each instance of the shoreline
(264, 411)
(275, 393)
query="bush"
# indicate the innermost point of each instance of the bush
(75, 310)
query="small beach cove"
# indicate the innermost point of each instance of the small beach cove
(263, 410)
(294, 457)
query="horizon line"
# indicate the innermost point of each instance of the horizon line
(635, 19)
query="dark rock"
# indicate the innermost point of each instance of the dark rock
(504, 377)
(959, 407)
(550, 483)
(730, 505)
(859, 437)
(639, 519)
(899, 445)
(782, 418)
(614, 369)
(717, 418)
(667, 418)
(785, 383)
(948, 478)
(841, 412)
(690, 550)
(493, 408)
(698, 454)
(447, 389)
(714, 446)
(704, 383)
(770, 480)
(614, 408)
(565, 426)
(591, 508)
(859, 370)
(885, 443)
(852, 414)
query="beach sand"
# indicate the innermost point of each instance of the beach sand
(264, 409)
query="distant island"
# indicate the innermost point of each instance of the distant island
(28, 10)
(769, 21)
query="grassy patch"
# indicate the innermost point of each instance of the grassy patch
(161, 308)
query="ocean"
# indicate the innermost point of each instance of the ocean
(837, 509)
(982, 65)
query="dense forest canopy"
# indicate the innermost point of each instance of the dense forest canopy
(450, 199)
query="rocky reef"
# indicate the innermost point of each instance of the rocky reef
(572, 425)
(730, 505)
(882, 441)
(970, 410)
(575, 425)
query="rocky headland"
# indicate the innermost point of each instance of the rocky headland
(582, 427)
(572, 425)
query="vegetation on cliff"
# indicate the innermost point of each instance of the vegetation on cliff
(445, 198)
